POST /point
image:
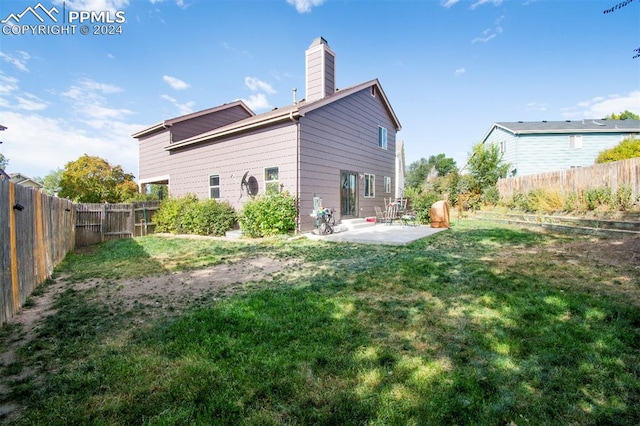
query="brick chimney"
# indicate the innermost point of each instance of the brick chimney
(320, 75)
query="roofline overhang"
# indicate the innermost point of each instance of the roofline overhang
(557, 131)
(170, 122)
(292, 115)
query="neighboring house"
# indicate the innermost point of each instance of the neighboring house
(23, 180)
(337, 145)
(547, 146)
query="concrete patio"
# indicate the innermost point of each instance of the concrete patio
(380, 233)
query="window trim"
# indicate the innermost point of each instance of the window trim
(369, 183)
(268, 182)
(387, 184)
(383, 137)
(214, 186)
(575, 141)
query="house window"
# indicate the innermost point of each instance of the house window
(369, 186)
(503, 147)
(382, 137)
(214, 187)
(575, 141)
(387, 184)
(271, 181)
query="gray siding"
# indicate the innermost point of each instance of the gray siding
(230, 158)
(343, 135)
(198, 125)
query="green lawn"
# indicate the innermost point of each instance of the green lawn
(482, 324)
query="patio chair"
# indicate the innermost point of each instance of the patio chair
(391, 213)
(380, 216)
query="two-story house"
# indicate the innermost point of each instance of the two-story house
(547, 146)
(337, 145)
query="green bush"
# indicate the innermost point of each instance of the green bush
(421, 206)
(598, 198)
(269, 215)
(187, 215)
(628, 148)
(624, 198)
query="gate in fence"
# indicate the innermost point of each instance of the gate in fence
(103, 222)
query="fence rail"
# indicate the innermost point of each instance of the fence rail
(36, 232)
(96, 223)
(612, 175)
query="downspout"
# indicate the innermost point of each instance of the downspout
(297, 123)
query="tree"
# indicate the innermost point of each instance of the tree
(51, 182)
(443, 164)
(419, 171)
(4, 162)
(486, 167)
(626, 115)
(92, 179)
(628, 148)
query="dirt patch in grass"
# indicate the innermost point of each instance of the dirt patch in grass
(617, 260)
(144, 299)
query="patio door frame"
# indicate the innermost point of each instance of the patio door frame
(348, 193)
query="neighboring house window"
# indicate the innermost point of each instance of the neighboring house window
(214, 186)
(271, 181)
(387, 184)
(575, 141)
(382, 137)
(369, 186)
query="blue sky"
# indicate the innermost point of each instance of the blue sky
(450, 68)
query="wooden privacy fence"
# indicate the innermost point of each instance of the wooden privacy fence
(103, 222)
(612, 175)
(36, 232)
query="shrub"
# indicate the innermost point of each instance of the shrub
(421, 206)
(598, 198)
(624, 198)
(187, 215)
(628, 148)
(269, 215)
(491, 196)
(168, 218)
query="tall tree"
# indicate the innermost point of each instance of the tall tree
(486, 166)
(51, 182)
(92, 179)
(626, 115)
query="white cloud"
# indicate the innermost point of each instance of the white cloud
(94, 5)
(8, 84)
(449, 3)
(536, 106)
(482, 2)
(257, 85)
(183, 109)
(175, 83)
(57, 142)
(489, 34)
(90, 104)
(110, 56)
(305, 6)
(600, 107)
(460, 71)
(19, 60)
(257, 102)
(30, 102)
